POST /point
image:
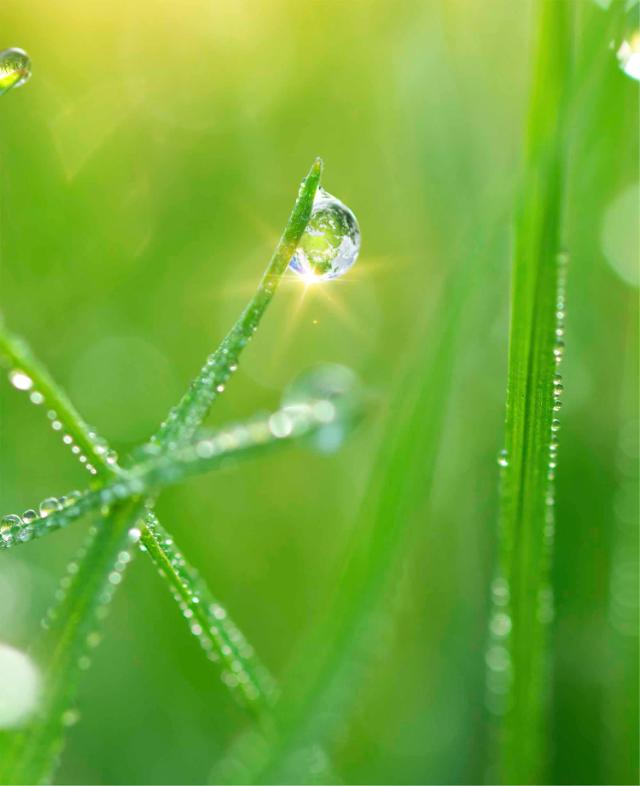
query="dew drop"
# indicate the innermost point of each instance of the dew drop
(29, 516)
(330, 243)
(503, 458)
(15, 69)
(7, 525)
(19, 379)
(48, 506)
(70, 717)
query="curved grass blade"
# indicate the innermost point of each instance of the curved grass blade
(521, 593)
(213, 450)
(183, 421)
(72, 626)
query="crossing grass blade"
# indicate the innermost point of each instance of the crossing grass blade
(31, 755)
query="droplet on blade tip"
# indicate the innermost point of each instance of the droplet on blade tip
(330, 243)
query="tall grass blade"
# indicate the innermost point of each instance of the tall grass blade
(517, 655)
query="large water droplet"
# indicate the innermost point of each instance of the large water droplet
(15, 69)
(330, 243)
(323, 384)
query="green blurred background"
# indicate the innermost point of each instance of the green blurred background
(146, 172)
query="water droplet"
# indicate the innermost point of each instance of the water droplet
(70, 717)
(330, 243)
(19, 379)
(7, 526)
(15, 69)
(35, 397)
(629, 56)
(48, 506)
(280, 425)
(29, 516)
(503, 458)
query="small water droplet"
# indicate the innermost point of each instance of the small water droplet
(330, 243)
(19, 379)
(29, 516)
(48, 506)
(7, 525)
(503, 458)
(15, 68)
(70, 717)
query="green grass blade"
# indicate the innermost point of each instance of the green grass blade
(28, 375)
(517, 654)
(30, 755)
(212, 450)
(221, 640)
(183, 421)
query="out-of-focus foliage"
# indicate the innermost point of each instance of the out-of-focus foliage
(145, 173)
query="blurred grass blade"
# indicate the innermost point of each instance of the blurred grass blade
(30, 755)
(182, 422)
(322, 686)
(212, 450)
(516, 658)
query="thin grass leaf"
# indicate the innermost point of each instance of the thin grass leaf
(183, 421)
(29, 376)
(213, 450)
(219, 637)
(522, 599)
(72, 630)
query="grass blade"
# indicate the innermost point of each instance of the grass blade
(211, 451)
(28, 375)
(221, 640)
(31, 755)
(521, 593)
(72, 626)
(183, 421)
